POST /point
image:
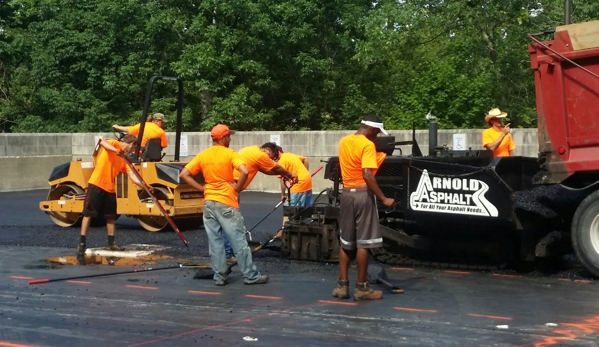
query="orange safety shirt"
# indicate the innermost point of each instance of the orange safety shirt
(151, 131)
(108, 166)
(255, 160)
(356, 152)
(506, 145)
(293, 164)
(217, 164)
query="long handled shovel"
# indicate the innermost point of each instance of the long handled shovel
(276, 207)
(156, 202)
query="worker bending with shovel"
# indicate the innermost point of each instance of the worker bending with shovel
(221, 205)
(256, 161)
(100, 199)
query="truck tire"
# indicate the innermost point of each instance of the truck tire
(585, 233)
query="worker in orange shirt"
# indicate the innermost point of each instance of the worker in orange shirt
(301, 192)
(100, 199)
(258, 161)
(358, 214)
(221, 207)
(302, 158)
(255, 160)
(153, 129)
(497, 138)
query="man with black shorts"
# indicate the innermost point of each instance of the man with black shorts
(358, 217)
(100, 200)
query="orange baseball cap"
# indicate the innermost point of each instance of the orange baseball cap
(220, 130)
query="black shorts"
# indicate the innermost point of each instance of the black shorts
(359, 219)
(99, 203)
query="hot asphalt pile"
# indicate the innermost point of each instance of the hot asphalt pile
(549, 201)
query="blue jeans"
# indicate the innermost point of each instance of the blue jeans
(302, 199)
(228, 249)
(219, 220)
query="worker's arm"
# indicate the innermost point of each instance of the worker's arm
(137, 182)
(493, 145)
(280, 171)
(372, 185)
(511, 153)
(306, 162)
(243, 176)
(120, 128)
(107, 146)
(186, 176)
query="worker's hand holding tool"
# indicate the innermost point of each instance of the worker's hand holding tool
(389, 202)
(293, 178)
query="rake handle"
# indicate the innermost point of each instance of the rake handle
(156, 202)
(46, 280)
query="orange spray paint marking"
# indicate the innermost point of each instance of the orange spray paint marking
(79, 282)
(457, 272)
(414, 310)
(21, 277)
(490, 317)
(10, 344)
(337, 302)
(141, 287)
(509, 276)
(202, 292)
(588, 326)
(579, 281)
(263, 297)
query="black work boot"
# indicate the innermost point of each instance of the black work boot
(81, 254)
(342, 290)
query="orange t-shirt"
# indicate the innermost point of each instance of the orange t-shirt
(255, 160)
(506, 145)
(293, 164)
(151, 131)
(356, 152)
(108, 165)
(217, 164)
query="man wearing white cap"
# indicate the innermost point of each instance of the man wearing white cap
(497, 138)
(358, 215)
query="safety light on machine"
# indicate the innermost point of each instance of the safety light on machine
(561, 150)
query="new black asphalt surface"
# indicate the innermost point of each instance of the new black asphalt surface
(169, 308)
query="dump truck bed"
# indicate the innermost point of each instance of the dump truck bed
(567, 86)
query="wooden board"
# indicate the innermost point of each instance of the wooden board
(583, 35)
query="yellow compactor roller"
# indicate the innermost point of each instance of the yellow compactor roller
(184, 204)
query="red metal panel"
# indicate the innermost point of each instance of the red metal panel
(567, 106)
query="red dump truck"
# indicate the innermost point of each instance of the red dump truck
(466, 209)
(567, 88)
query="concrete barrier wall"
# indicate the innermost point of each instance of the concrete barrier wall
(26, 160)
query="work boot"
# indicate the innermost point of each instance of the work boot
(342, 290)
(364, 292)
(220, 282)
(231, 261)
(261, 280)
(114, 247)
(81, 254)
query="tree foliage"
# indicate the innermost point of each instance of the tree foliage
(82, 65)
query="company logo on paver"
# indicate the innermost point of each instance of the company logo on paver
(452, 195)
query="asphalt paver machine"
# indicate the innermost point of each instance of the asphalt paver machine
(466, 209)
(184, 204)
